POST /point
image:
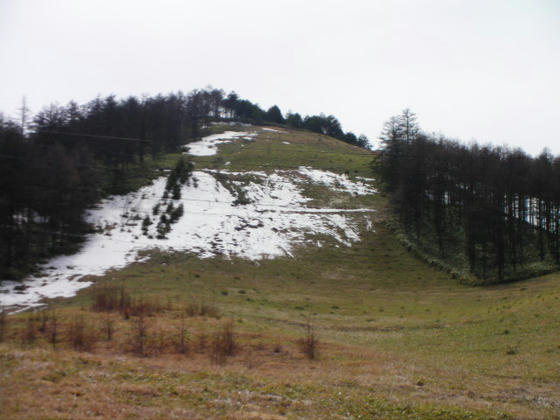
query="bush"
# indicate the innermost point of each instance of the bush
(140, 336)
(3, 324)
(201, 309)
(29, 333)
(80, 337)
(182, 346)
(223, 343)
(53, 330)
(309, 343)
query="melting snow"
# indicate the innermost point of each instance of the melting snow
(208, 146)
(270, 222)
(336, 182)
(273, 130)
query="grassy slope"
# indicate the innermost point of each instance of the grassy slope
(398, 339)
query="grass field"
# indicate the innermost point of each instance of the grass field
(395, 337)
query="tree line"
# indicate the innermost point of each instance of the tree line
(492, 210)
(244, 110)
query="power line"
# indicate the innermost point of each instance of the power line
(200, 200)
(95, 136)
(134, 240)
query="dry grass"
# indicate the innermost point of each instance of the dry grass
(256, 382)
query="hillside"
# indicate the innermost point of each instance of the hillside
(279, 293)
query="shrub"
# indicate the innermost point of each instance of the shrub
(182, 346)
(29, 333)
(223, 343)
(106, 299)
(176, 192)
(53, 330)
(201, 309)
(309, 342)
(80, 337)
(201, 341)
(108, 328)
(140, 336)
(3, 324)
(44, 317)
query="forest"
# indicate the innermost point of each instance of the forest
(491, 211)
(57, 163)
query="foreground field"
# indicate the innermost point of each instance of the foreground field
(232, 338)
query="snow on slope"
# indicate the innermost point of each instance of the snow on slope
(336, 182)
(208, 146)
(272, 220)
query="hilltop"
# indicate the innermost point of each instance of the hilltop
(324, 315)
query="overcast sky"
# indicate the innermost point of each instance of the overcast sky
(477, 69)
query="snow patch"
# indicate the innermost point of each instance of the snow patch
(208, 146)
(273, 130)
(336, 182)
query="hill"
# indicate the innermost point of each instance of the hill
(338, 320)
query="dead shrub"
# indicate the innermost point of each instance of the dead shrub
(182, 342)
(53, 330)
(309, 342)
(29, 333)
(143, 307)
(79, 335)
(117, 299)
(201, 342)
(201, 309)
(157, 343)
(140, 336)
(3, 324)
(223, 343)
(44, 318)
(109, 298)
(108, 328)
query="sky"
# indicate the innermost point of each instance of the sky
(484, 70)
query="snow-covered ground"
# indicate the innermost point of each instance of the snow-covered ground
(274, 130)
(337, 182)
(208, 146)
(243, 214)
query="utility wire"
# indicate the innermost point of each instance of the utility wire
(94, 136)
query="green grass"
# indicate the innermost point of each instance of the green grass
(305, 149)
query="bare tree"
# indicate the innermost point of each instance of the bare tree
(23, 115)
